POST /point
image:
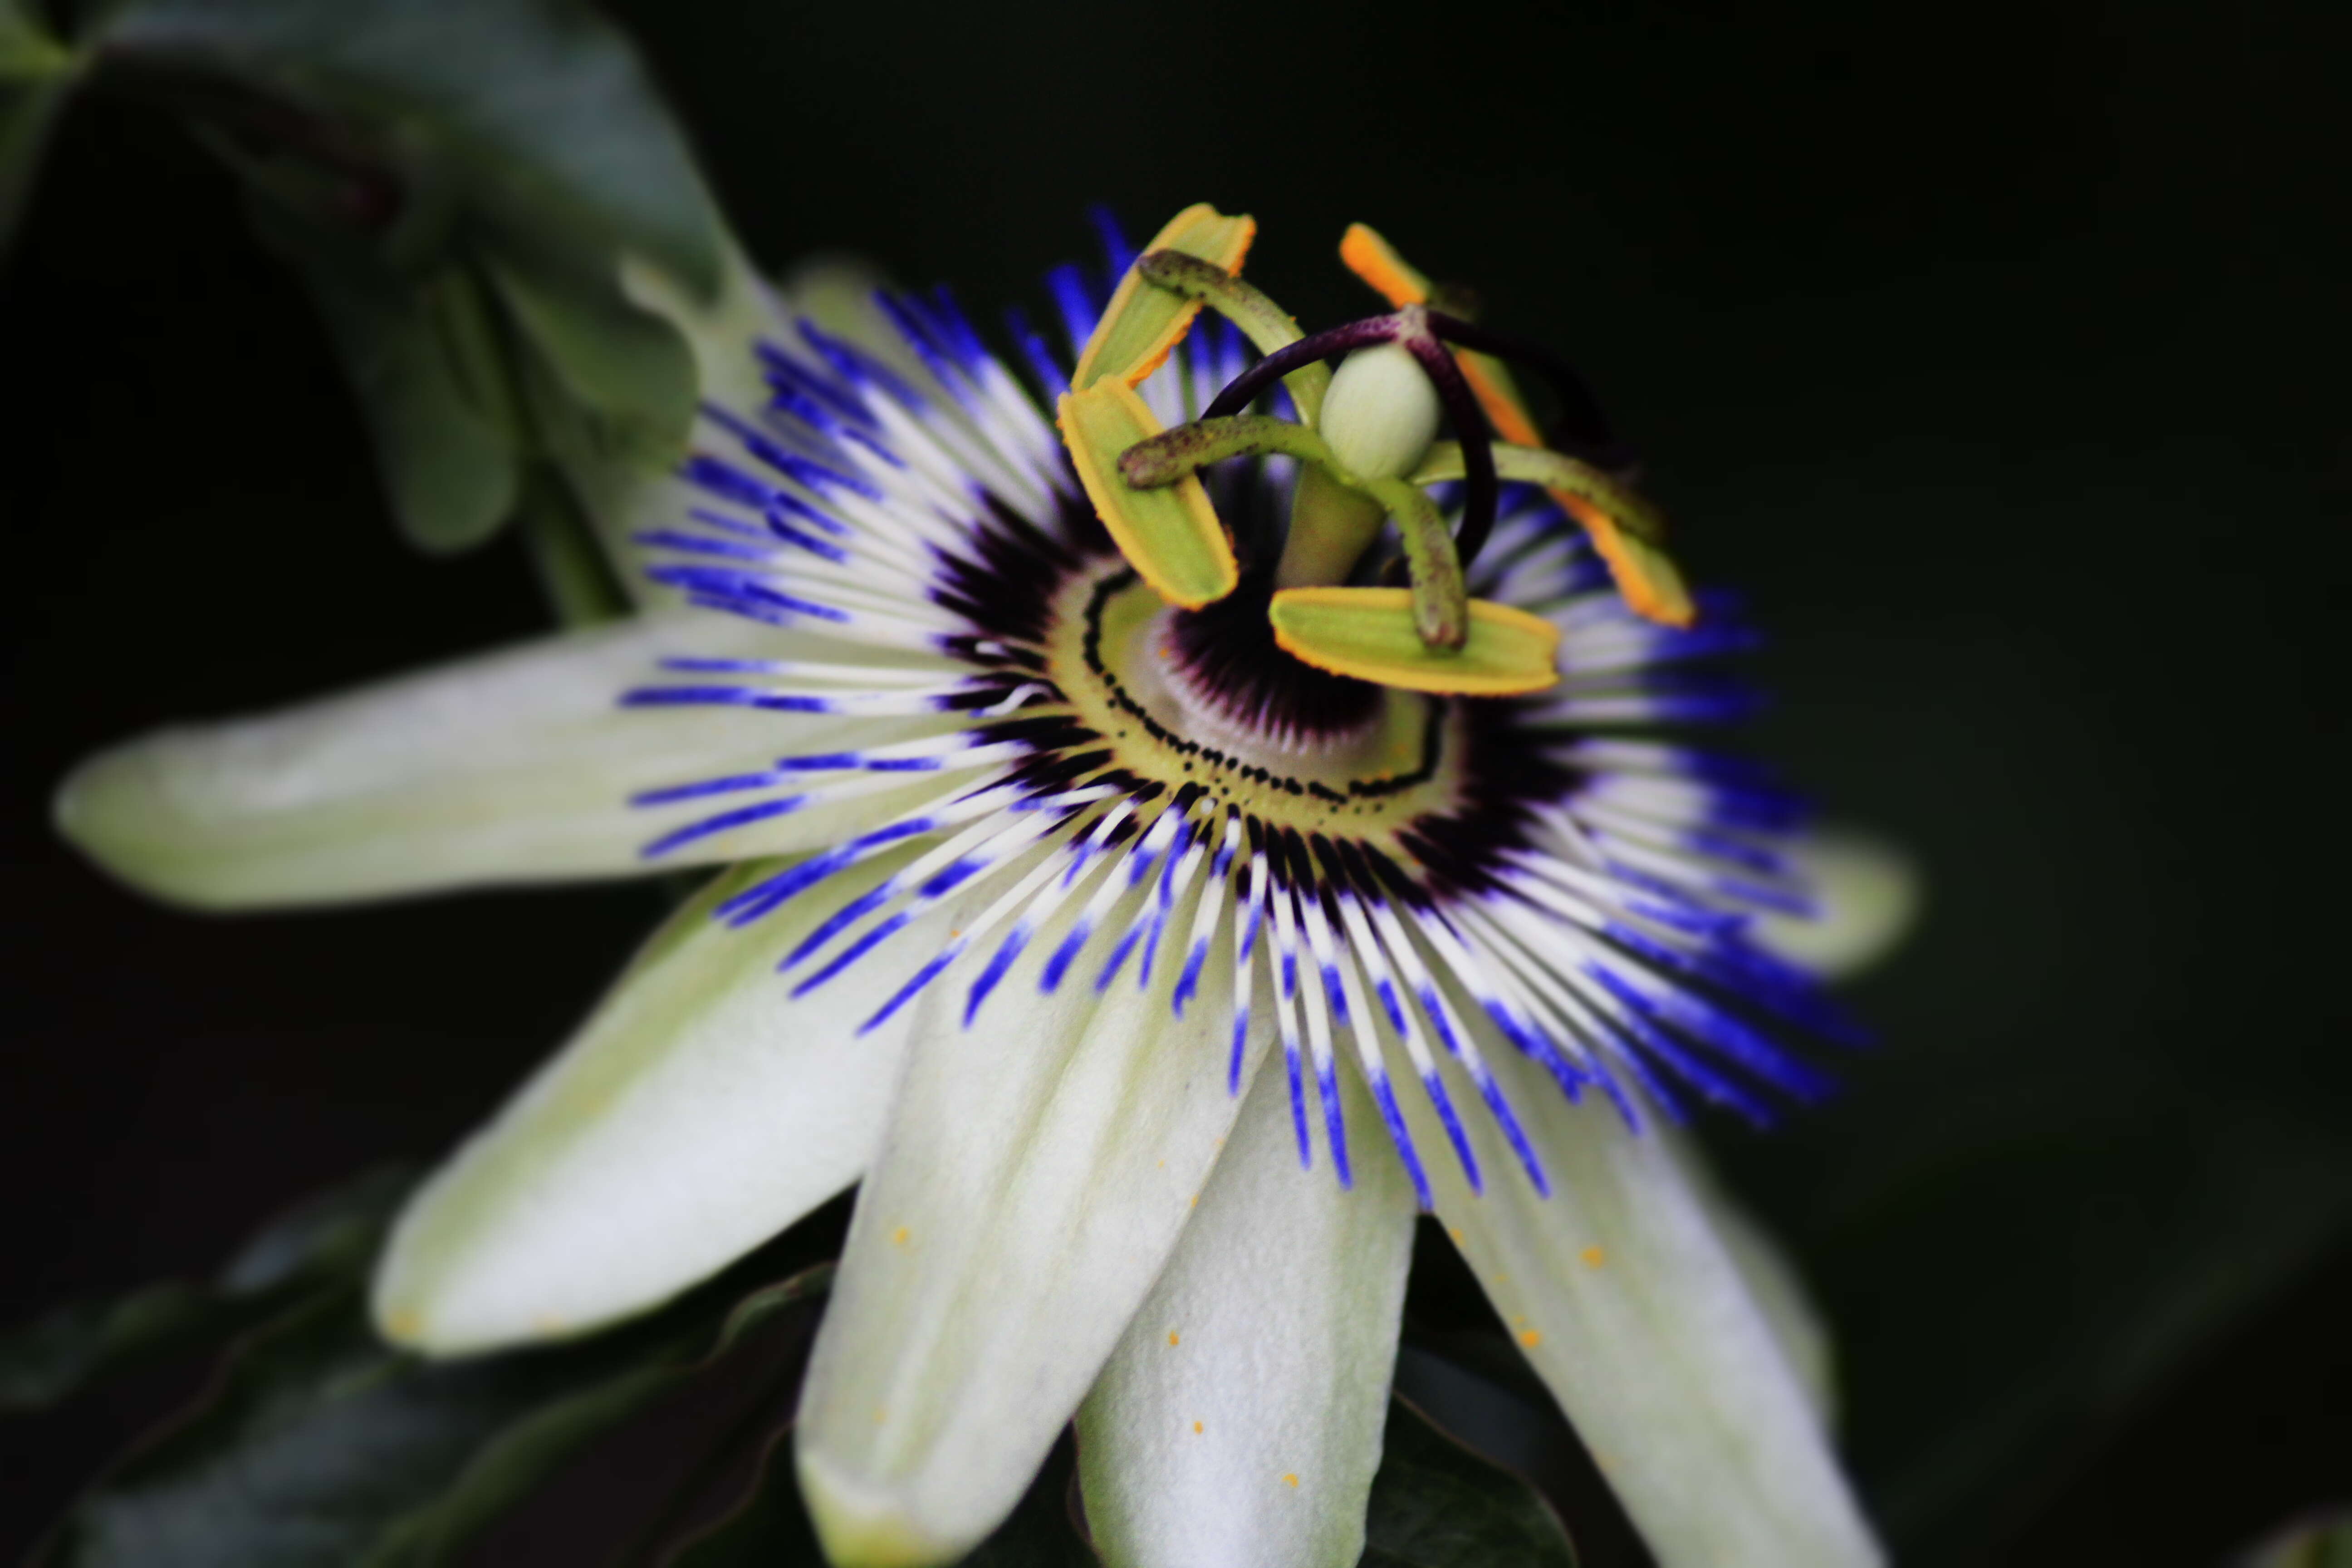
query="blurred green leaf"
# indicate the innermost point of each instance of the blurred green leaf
(35, 74)
(630, 372)
(535, 111)
(572, 571)
(429, 370)
(456, 182)
(323, 1241)
(2324, 1541)
(1437, 1505)
(320, 1446)
(28, 49)
(767, 1527)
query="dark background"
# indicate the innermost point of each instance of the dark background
(1998, 356)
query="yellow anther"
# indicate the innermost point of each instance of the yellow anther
(1142, 323)
(1369, 632)
(1531, 1338)
(1169, 533)
(1593, 1257)
(1376, 261)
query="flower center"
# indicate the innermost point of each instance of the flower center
(1180, 705)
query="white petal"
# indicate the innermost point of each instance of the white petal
(701, 1110)
(1772, 1280)
(1868, 892)
(1630, 1308)
(1037, 1172)
(511, 767)
(1239, 1421)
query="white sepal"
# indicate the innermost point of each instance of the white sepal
(1867, 893)
(1238, 1424)
(701, 1109)
(1038, 1170)
(1632, 1308)
(511, 766)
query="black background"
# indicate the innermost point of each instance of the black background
(1998, 356)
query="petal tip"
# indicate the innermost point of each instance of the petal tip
(862, 1528)
(116, 808)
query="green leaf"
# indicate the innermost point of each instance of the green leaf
(535, 112)
(767, 1528)
(1437, 1505)
(322, 1445)
(328, 1239)
(629, 373)
(37, 72)
(459, 184)
(27, 50)
(2324, 1541)
(575, 574)
(427, 362)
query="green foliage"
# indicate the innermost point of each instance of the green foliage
(315, 1444)
(2323, 1541)
(35, 74)
(323, 1241)
(455, 183)
(1435, 1504)
(318, 1445)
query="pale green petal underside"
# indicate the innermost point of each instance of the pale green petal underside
(1238, 1424)
(1038, 1169)
(508, 767)
(700, 1109)
(1628, 1301)
(1867, 892)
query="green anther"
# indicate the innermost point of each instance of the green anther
(1247, 307)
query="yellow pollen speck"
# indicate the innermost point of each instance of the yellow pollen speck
(1172, 1336)
(1163, 1165)
(1593, 1257)
(898, 1236)
(1530, 1338)
(1195, 1203)
(1196, 1425)
(406, 1324)
(1290, 1480)
(1455, 1232)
